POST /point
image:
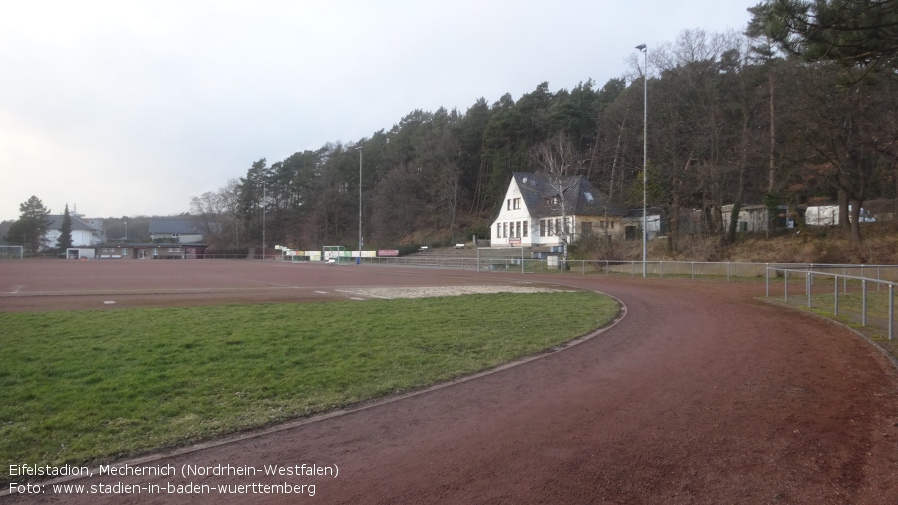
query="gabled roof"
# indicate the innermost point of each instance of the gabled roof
(77, 224)
(179, 225)
(581, 198)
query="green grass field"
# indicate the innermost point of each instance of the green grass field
(86, 386)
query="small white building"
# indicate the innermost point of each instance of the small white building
(755, 218)
(85, 232)
(543, 210)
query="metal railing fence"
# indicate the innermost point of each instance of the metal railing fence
(815, 282)
(662, 269)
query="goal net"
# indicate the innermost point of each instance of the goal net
(502, 259)
(12, 252)
(336, 254)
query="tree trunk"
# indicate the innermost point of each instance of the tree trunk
(855, 230)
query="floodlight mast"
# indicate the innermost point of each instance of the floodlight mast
(359, 259)
(645, 122)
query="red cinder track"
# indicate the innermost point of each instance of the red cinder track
(700, 395)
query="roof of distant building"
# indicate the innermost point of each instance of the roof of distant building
(179, 225)
(580, 197)
(77, 224)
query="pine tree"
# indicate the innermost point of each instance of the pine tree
(65, 231)
(31, 227)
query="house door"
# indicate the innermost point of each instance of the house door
(141, 254)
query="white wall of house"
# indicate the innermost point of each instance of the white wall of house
(513, 225)
(80, 238)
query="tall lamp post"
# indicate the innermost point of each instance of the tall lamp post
(263, 220)
(358, 260)
(645, 152)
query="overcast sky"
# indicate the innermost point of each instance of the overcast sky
(126, 108)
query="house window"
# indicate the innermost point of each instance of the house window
(586, 229)
(508, 206)
(517, 229)
(504, 230)
(516, 203)
(498, 230)
(525, 229)
(551, 229)
(558, 226)
(542, 227)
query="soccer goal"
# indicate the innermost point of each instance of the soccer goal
(503, 259)
(15, 252)
(336, 254)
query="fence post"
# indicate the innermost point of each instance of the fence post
(808, 281)
(786, 284)
(864, 302)
(891, 309)
(836, 296)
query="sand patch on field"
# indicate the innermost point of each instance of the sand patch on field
(435, 291)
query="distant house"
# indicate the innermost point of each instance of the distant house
(177, 230)
(633, 223)
(755, 218)
(540, 209)
(85, 232)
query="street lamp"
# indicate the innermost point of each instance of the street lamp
(645, 152)
(263, 220)
(126, 231)
(358, 260)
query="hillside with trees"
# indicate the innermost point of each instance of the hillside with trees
(798, 110)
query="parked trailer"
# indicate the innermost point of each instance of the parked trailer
(828, 215)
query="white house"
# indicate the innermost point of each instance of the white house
(542, 210)
(85, 232)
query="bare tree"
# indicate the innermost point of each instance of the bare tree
(217, 213)
(558, 159)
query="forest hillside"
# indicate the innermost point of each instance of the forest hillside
(799, 109)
